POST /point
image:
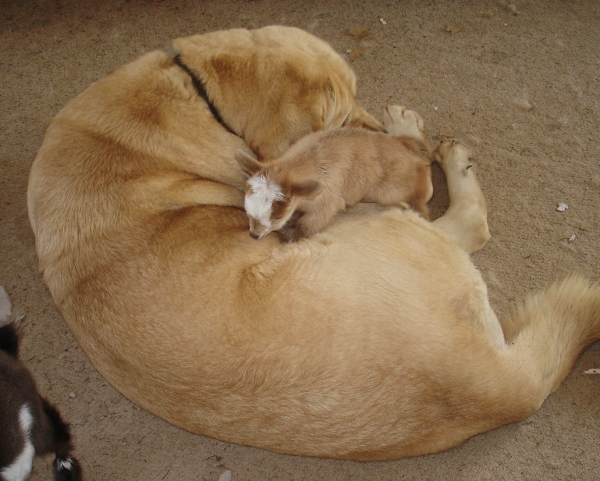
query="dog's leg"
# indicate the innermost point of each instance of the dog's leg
(58, 439)
(465, 221)
(402, 122)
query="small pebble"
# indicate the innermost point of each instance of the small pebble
(225, 476)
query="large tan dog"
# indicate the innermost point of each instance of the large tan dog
(372, 340)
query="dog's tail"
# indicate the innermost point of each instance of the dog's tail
(66, 467)
(550, 330)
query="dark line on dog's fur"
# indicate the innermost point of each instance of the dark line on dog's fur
(199, 86)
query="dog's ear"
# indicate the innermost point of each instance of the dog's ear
(361, 118)
(307, 189)
(248, 164)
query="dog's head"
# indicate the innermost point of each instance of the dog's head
(274, 85)
(270, 202)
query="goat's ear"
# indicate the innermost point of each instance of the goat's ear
(248, 164)
(307, 189)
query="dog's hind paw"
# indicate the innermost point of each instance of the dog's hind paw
(67, 469)
(399, 121)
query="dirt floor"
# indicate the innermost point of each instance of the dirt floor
(519, 83)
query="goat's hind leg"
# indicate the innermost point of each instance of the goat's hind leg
(465, 221)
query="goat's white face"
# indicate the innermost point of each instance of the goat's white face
(261, 194)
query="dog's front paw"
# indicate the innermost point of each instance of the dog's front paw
(451, 154)
(402, 122)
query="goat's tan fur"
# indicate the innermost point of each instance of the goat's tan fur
(371, 340)
(327, 171)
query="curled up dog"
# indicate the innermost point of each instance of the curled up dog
(379, 344)
(29, 424)
(299, 193)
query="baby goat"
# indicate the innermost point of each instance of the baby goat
(299, 193)
(29, 424)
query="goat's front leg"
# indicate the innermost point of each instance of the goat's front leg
(307, 224)
(465, 221)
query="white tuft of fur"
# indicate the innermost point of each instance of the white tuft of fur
(260, 197)
(20, 469)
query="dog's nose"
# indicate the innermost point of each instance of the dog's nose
(254, 235)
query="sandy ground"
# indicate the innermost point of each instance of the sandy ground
(519, 83)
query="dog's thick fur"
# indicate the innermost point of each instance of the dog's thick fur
(372, 340)
(299, 193)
